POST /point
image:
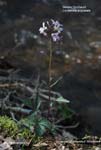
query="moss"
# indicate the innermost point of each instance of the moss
(10, 128)
(25, 133)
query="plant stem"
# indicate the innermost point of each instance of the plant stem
(49, 73)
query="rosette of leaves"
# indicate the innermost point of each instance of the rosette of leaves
(37, 125)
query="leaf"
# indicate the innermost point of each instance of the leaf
(62, 100)
(27, 102)
(41, 126)
(29, 121)
(44, 122)
(65, 111)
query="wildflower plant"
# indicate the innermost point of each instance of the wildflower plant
(52, 30)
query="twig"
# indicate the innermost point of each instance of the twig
(16, 79)
(7, 85)
(41, 91)
(46, 97)
(5, 100)
(69, 127)
(52, 92)
(13, 116)
(81, 142)
(26, 87)
(52, 85)
(60, 120)
(18, 109)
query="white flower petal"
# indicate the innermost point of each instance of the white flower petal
(41, 30)
(44, 27)
(43, 24)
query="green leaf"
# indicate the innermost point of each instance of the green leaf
(41, 126)
(40, 130)
(27, 102)
(62, 100)
(65, 111)
(28, 121)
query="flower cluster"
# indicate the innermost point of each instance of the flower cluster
(52, 29)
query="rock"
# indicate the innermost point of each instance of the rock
(68, 136)
(5, 146)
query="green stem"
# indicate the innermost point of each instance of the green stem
(49, 73)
